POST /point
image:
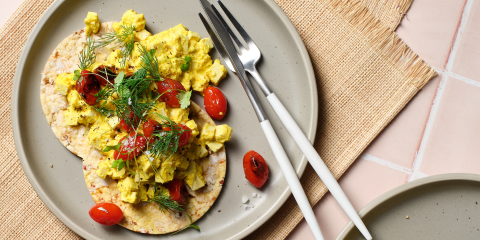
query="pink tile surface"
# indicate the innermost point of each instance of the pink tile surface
(453, 144)
(400, 140)
(358, 184)
(429, 28)
(8, 7)
(468, 51)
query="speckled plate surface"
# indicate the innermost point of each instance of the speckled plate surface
(444, 206)
(285, 66)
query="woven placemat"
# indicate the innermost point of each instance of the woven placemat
(365, 76)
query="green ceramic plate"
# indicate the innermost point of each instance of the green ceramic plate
(438, 207)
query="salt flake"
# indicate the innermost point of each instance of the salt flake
(248, 207)
(245, 199)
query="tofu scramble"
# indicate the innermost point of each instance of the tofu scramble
(179, 55)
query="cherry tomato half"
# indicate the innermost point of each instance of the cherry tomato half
(255, 168)
(168, 88)
(103, 74)
(87, 86)
(149, 127)
(215, 103)
(133, 119)
(131, 146)
(184, 137)
(106, 213)
(177, 191)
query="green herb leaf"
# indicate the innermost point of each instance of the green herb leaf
(112, 147)
(76, 74)
(184, 99)
(190, 225)
(184, 67)
(118, 164)
(119, 78)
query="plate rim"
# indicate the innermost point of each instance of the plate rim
(298, 42)
(396, 192)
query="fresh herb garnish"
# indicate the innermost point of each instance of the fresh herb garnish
(125, 40)
(184, 99)
(167, 143)
(150, 63)
(184, 67)
(165, 201)
(118, 164)
(87, 56)
(130, 104)
(112, 147)
(76, 75)
(189, 225)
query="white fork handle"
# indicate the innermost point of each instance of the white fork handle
(292, 178)
(317, 163)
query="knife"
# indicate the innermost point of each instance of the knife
(223, 42)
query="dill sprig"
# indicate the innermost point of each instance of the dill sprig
(150, 63)
(131, 104)
(87, 56)
(165, 201)
(125, 40)
(131, 100)
(167, 143)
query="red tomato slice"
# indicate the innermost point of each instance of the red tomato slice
(167, 88)
(184, 137)
(177, 190)
(133, 118)
(87, 86)
(106, 213)
(215, 103)
(131, 146)
(255, 168)
(103, 74)
(149, 127)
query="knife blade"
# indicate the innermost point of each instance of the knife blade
(226, 42)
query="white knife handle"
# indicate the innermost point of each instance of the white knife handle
(317, 163)
(292, 178)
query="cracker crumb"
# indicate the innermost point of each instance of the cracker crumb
(51, 165)
(407, 217)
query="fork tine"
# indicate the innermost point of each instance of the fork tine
(239, 27)
(217, 43)
(229, 30)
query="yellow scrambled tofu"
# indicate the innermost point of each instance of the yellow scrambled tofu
(92, 23)
(137, 177)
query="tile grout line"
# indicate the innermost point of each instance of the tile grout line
(458, 77)
(428, 127)
(461, 27)
(433, 112)
(385, 163)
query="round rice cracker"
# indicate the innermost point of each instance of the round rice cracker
(142, 217)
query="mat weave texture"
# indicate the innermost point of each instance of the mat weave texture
(365, 76)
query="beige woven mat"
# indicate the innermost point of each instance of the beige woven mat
(365, 76)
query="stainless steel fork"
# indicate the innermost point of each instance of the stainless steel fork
(249, 59)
